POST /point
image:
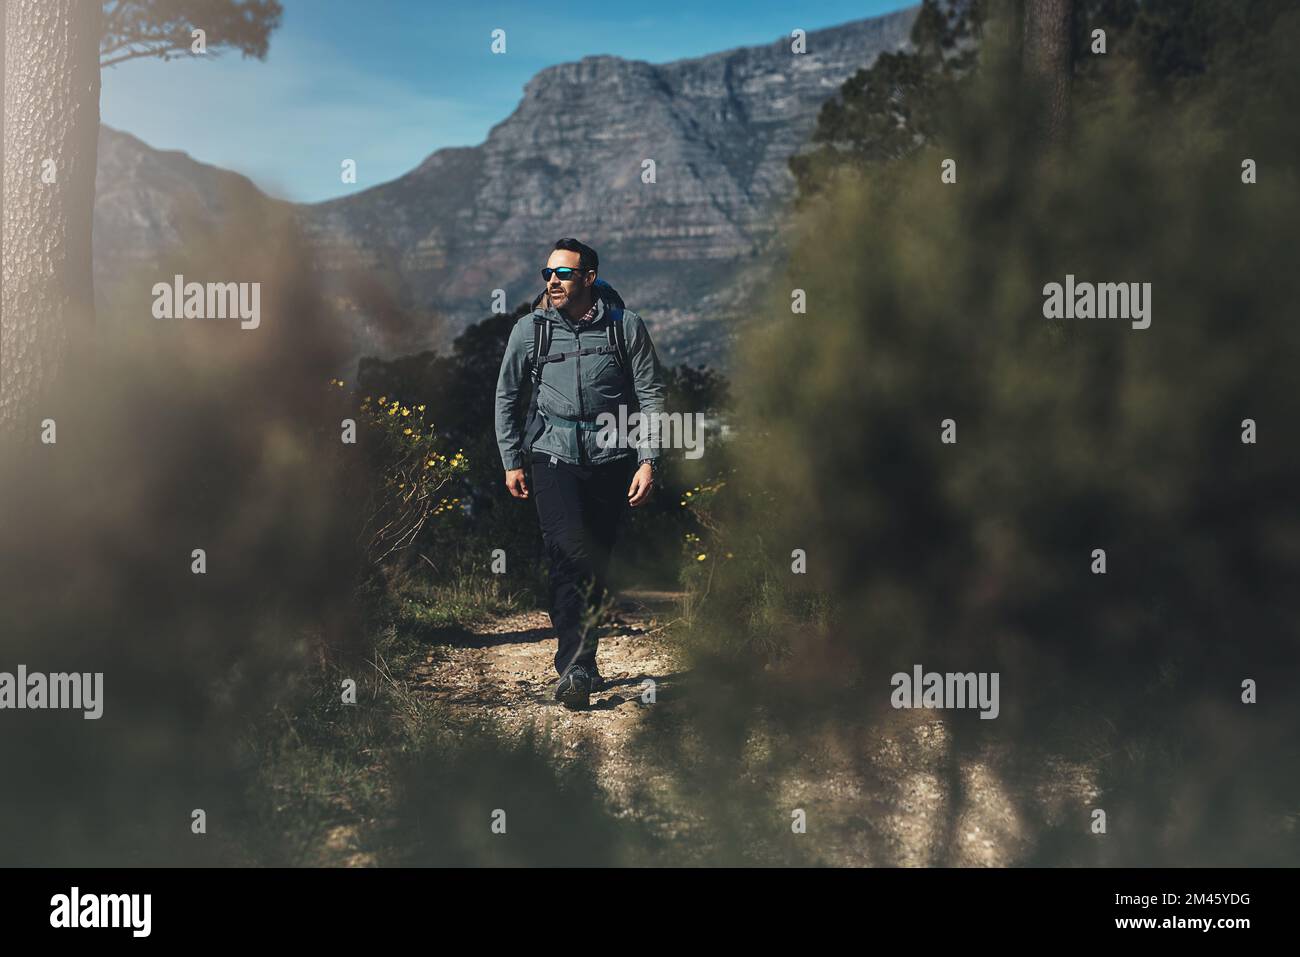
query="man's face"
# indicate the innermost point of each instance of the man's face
(563, 291)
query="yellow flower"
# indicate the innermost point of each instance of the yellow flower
(406, 431)
(421, 408)
(700, 557)
(383, 399)
(406, 411)
(392, 409)
(688, 494)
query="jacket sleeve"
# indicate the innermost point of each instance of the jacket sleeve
(512, 388)
(647, 379)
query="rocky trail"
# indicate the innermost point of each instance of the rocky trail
(504, 671)
(884, 792)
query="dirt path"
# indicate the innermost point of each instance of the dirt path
(886, 792)
(504, 673)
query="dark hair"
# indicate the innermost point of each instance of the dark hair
(587, 258)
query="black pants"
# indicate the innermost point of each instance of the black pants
(580, 509)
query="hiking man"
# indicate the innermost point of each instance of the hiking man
(585, 355)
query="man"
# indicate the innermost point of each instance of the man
(592, 357)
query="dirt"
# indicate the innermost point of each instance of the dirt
(886, 792)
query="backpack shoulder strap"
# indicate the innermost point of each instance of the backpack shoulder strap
(541, 344)
(618, 340)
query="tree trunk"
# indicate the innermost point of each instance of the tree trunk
(50, 129)
(1047, 59)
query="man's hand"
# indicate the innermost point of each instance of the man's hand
(516, 484)
(642, 484)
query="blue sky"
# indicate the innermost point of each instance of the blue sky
(387, 82)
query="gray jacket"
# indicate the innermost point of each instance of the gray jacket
(575, 391)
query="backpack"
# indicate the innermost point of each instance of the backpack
(615, 345)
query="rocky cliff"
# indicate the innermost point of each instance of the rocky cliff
(685, 250)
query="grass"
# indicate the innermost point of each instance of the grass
(324, 763)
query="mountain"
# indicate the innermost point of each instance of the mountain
(150, 201)
(687, 251)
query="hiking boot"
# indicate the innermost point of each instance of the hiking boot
(573, 690)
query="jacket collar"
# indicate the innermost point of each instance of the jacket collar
(554, 315)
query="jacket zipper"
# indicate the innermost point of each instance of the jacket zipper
(577, 369)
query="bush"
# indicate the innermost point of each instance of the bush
(411, 473)
(925, 304)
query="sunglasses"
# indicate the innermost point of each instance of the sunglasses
(564, 273)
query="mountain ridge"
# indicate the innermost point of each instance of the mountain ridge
(687, 249)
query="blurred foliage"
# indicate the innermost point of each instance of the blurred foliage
(735, 573)
(173, 436)
(926, 301)
(907, 100)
